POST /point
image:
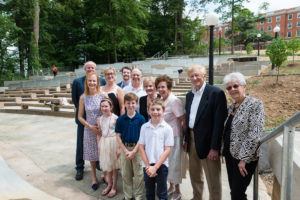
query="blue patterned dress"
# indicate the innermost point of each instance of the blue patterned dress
(92, 110)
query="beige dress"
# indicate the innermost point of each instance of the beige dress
(108, 144)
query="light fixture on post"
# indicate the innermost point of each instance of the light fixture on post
(220, 28)
(275, 30)
(258, 37)
(211, 21)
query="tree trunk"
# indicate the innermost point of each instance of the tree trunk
(36, 21)
(21, 47)
(21, 57)
(232, 27)
(293, 57)
(180, 25)
(34, 50)
(1, 59)
(175, 34)
(115, 53)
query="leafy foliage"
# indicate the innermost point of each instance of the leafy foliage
(278, 53)
(249, 48)
(245, 25)
(293, 46)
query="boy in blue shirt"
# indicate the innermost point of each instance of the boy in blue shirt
(128, 128)
(156, 140)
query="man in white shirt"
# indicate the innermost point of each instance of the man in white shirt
(136, 85)
(206, 111)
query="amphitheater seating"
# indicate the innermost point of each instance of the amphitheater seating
(53, 107)
(11, 99)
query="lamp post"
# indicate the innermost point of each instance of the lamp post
(220, 41)
(258, 37)
(275, 30)
(211, 21)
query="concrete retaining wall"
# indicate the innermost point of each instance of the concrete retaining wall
(275, 152)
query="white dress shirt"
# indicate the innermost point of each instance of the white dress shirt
(139, 92)
(155, 140)
(195, 104)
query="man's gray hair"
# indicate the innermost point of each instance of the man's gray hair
(235, 76)
(89, 63)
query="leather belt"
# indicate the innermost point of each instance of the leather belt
(127, 144)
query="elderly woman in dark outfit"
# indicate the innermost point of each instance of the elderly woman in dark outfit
(243, 129)
(149, 87)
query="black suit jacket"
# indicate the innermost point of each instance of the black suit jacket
(144, 106)
(209, 122)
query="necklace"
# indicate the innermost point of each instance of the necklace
(235, 108)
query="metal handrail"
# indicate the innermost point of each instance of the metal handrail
(165, 55)
(157, 55)
(288, 130)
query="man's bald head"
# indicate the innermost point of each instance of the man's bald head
(89, 67)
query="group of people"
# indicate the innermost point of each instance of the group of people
(142, 128)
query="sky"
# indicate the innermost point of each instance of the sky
(253, 5)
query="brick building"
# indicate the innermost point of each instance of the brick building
(288, 21)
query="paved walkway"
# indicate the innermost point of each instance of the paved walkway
(40, 151)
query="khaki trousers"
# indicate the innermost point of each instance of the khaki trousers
(212, 169)
(132, 176)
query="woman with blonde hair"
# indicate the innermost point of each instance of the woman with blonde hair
(90, 103)
(114, 92)
(149, 87)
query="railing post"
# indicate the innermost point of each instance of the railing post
(287, 163)
(255, 184)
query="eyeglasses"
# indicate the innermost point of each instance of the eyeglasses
(109, 74)
(235, 86)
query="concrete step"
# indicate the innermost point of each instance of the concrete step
(182, 87)
(12, 186)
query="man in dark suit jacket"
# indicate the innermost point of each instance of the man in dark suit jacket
(77, 91)
(206, 111)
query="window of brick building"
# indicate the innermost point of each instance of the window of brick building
(290, 16)
(298, 23)
(298, 33)
(278, 25)
(270, 20)
(289, 34)
(269, 28)
(262, 22)
(277, 18)
(298, 15)
(261, 28)
(290, 25)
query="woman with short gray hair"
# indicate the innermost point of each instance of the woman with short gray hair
(243, 129)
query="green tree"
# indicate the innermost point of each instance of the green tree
(278, 53)
(293, 46)
(21, 13)
(8, 57)
(245, 25)
(249, 48)
(115, 28)
(193, 32)
(217, 42)
(233, 7)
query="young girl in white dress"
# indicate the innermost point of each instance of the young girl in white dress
(109, 148)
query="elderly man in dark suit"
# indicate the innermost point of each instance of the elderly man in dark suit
(206, 111)
(77, 91)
